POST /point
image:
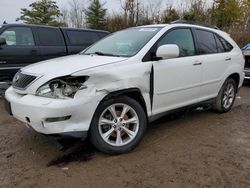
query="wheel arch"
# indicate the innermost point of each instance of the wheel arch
(134, 93)
(236, 78)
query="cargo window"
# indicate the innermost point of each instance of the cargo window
(49, 37)
(82, 37)
(207, 44)
(18, 36)
(182, 38)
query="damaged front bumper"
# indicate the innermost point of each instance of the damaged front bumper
(71, 117)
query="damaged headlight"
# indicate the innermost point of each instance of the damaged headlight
(64, 87)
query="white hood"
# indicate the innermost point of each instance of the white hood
(70, 64)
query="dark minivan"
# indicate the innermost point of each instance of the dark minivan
(22, 44)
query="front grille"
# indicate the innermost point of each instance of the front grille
(247, 62)
(21, 81)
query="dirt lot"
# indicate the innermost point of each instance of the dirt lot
(202, 149)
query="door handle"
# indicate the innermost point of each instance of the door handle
(197, 63)
(228, 59)
(33, 52)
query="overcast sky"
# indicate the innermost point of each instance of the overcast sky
(10, 9)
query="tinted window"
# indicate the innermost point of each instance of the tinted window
(102, 35)
(49, 37)
(220, 47)
(207, 44)
(82, 37)
(182, 38)
(227, 46)
(16, 36)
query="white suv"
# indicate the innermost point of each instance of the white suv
(114, 88)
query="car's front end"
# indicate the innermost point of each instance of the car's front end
(246, 53)
(53, 100)
(55, 107)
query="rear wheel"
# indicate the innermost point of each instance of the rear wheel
(226, 96)
(118, 125)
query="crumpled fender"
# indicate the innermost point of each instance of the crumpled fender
(119, 77)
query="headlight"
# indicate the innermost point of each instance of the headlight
(64, 87)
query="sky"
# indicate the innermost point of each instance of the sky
(10, 9)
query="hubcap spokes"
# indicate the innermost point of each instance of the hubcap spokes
(118, 124)
(228, 96)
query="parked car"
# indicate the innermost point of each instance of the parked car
(246, 53)
(21, 44)
(113, 89)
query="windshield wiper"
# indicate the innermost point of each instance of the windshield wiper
(103, 54)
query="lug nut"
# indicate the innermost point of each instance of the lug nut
(121, 119)
(123, 124)
(115, 121)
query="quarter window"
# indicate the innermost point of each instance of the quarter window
(182, 38)
(18, 36)
(207, 44)
(227, 46)
(82, 37)
(220, 47)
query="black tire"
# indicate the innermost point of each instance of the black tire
(96, 136)
(219, 105)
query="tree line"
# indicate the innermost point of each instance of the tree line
(230, 15)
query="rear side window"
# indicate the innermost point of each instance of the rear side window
(49, 37)
(182, 38)
(82, 37)
(206, 41)
(220, 47)
(227, 46)
(18, 36)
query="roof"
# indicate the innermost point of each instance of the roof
(45, 26)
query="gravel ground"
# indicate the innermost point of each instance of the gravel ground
(3, 87)
(201, 149)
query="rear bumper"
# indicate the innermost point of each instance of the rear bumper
(70, 117)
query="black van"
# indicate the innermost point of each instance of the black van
(22, 44)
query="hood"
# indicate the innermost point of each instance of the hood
(70, 64)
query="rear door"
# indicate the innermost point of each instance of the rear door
(78, 40)
(51, 43)
(21, 48)
(215, 58)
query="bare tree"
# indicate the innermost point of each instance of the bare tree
(131, 10)
(76, 14)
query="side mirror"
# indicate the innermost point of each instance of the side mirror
(168, 51)
(2, 41)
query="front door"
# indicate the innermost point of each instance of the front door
(20, 49)
(177, 81)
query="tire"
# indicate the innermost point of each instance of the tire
(118, 125)
(226, 97)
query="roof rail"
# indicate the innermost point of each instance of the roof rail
(194, 23)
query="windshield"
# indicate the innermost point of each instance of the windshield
(124, 43)
(247, 47)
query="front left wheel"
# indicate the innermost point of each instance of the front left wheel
(118, 125)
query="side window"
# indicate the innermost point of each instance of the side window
(82, 37)
(227, 46)
(18, 36)
(220, 47)
(182, 38)
(49, 37)
(206, 41)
